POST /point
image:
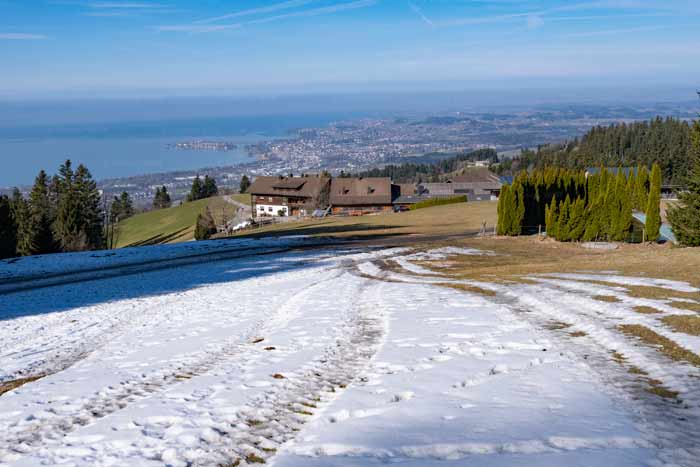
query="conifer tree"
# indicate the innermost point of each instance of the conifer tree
(653, 208)
(209, 187)
(563, 220)
(89, 199)
(685, 217)
(122, 207)
(8, 229)
(577, 219)
(205, 226)
(517, 208)
(37, 232)
(196, 190)
(552, 218)
(162, 199)
(245, 184)
(641, 189)
(504, 215)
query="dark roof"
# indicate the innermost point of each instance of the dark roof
(301, 187)
(361, 191)
(407, 189)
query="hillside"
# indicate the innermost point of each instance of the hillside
(665, 141)
(172, 225)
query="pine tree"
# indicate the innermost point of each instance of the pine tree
(209, 187)
(8, 229)
(245, 184)
(205, 226)
(504, 215)
(517, 208)
(37, 232)
(653, 208)
(122, 207)
(563, 220)
(577, 219)
(552, 218)
(89, 199)
(685, 217)
(196, 190)
(162, 199)
(641, 189)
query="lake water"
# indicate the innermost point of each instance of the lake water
(118, 149)
(112, 157)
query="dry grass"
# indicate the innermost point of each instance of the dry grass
(454, 219)
(607, 298)
(14, 384)
(518, 258)
(686, 306)
(685, 324)
(657, 387)
(469, 288)
(646, 310)
(663, 344)
(578, 334)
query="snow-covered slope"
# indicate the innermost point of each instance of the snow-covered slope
(315, 358)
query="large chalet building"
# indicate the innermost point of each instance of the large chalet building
(288, 196)
(301, 196)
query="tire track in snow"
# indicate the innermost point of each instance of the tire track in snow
(274, 418)
(37, 431)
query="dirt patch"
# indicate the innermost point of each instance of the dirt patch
(646, 310)
(469, 288)
(663, 344)
(691, 306)
(578, 334)
(685, 324)
(607, 298)
(14, 384)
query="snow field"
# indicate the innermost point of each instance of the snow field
(330, 358)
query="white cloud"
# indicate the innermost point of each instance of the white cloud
(256, 11)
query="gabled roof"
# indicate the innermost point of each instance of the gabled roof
(361, 191)
(300, 187)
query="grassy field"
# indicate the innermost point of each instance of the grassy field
(175, 224)
(449, 220)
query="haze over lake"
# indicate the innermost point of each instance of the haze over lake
(118, 149)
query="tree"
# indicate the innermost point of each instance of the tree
(79, 223)
(37, 230)
(504, 210)
(196, 190)
(205, 226)
(552, 218)
(162, 199)
(641, 189)
(122, 207)
(245, 184)
(209, 187)
(89, 199)
(685, 217)
(8, 229)
(653, 208)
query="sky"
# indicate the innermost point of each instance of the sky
(96, 48)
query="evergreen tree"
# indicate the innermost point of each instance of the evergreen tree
(245, 184)
(8, 229)
(196, 190)
(577, 219)
(504, 214)
(162, 199)
(89, 199)
(209, 187)
(653, 208)
(37, 232)
(205, 226)
(122, 207)
(517, 208)
(563, 234)
(685, 217)
(552, 218)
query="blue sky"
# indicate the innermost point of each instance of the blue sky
(141, 47)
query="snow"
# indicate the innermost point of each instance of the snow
(327, 357)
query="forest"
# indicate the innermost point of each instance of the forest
(666, 141)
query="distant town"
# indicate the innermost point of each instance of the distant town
(356, 145)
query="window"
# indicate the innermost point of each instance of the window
(269, 209)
